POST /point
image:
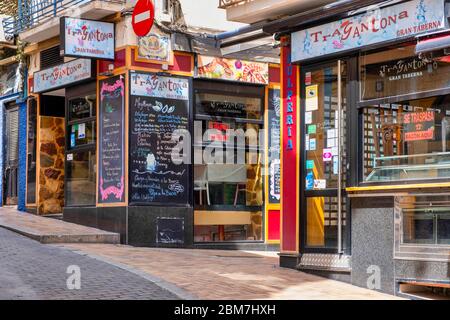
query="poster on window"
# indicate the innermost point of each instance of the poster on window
(111, 171)
(274, 146)
(419, 126)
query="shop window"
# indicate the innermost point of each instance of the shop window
(81, 167)
(424, 220)
(228, 165)
(81, 178)
(399, 71)
(407, 140)
(31, 151)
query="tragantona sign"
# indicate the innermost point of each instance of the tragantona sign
(87, 38)
(386, 24)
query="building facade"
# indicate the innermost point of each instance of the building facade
(364, 140)
(106, 111)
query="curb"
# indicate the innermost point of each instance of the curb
(111, 238)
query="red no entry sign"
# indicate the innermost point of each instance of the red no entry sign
(143, 17)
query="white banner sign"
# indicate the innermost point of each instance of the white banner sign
(152, 85)
(386, 24)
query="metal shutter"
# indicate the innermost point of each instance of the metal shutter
(13, 135)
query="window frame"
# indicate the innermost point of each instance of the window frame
(361, 104)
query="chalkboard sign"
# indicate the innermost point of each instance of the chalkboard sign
(170, 230)
(158, 106)
(274, 146)
(111, 171)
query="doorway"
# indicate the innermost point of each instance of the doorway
(324, 205)
(11, 155)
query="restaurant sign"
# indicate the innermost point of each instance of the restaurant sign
(62, 75)
(87, 38)
(232, 69)
(152, 85)
(399, 21)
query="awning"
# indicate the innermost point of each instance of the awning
(433, 44)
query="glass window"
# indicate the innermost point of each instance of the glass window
(82, 108)
(400, 71)
(81, 178)
(81, 151)
(408, 140)
(425, 220)
(82, 134)
(228, 106)
(228, 167)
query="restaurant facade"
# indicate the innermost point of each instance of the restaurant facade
(107, 116)
(365, 140)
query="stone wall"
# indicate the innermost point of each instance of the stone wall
(51, 172)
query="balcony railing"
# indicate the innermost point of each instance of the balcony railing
(224, 4)
(34, 12)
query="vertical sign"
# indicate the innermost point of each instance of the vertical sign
(290, 159)
(159, 106)
(274, 146)
(111, 171)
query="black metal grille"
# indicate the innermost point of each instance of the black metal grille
(50, 57)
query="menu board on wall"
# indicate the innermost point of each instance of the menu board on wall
(111, 171)
(158, 106)
(274, 146)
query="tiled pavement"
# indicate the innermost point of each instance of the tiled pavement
(48, 230)
(215, 274)
(31, 270)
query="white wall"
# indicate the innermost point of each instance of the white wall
(206, 14)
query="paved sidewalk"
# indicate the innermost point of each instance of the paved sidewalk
(216, 274)
(31, 270)
(47, 230)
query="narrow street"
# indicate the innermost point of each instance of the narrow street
(30, 270)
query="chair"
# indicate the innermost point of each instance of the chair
(231, 173)
(201, 182)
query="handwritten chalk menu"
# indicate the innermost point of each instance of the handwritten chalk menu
(274, 146)
(111, 171)
(158, 107)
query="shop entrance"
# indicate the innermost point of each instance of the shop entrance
(51, 146)
(324, 205)
(11, 155)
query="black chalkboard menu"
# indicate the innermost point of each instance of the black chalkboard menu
(158, 107)
(274, 146)
(111, 170)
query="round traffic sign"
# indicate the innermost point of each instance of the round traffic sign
(143, 17)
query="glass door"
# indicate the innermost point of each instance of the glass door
(324, 157)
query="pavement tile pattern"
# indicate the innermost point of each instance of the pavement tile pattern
(228, 275)
(31, 270)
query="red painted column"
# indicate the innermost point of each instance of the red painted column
(290, 136)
